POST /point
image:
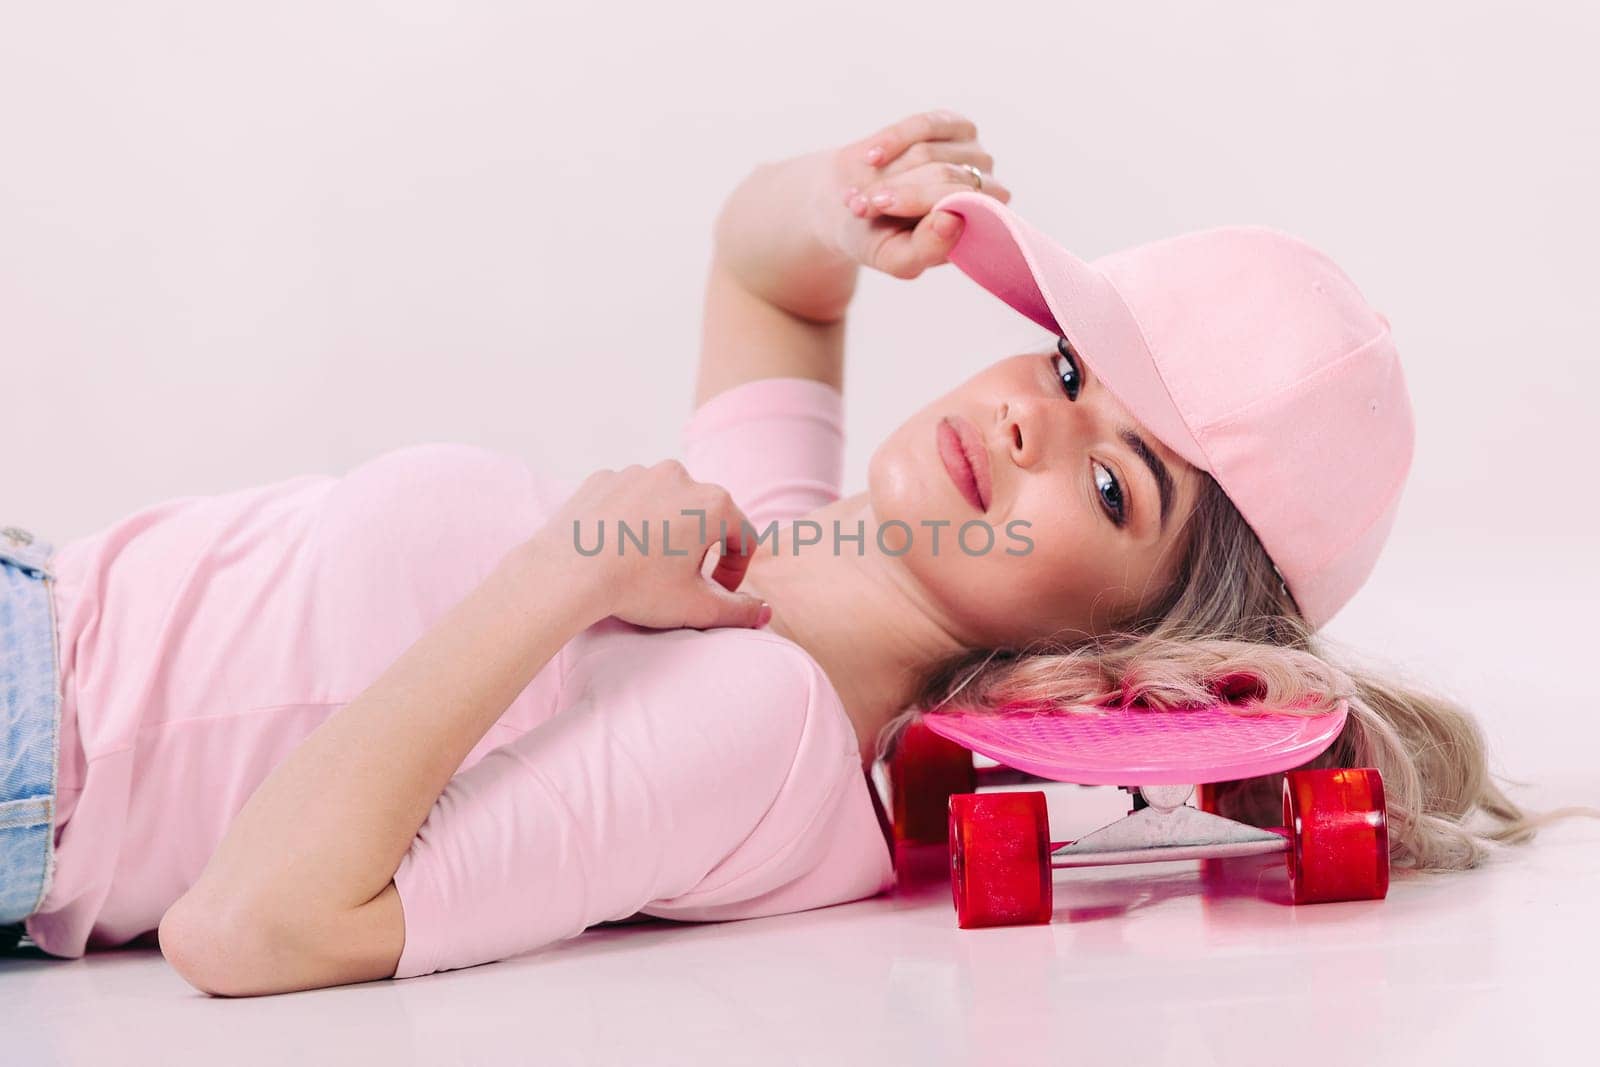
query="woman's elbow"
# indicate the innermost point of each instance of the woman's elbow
(228, 949)
(228, 946)
(210, 947)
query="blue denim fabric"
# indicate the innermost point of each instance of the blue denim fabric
(30, 717)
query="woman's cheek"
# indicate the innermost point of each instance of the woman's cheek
(906, 484)
(1044, 554)
(892, 486)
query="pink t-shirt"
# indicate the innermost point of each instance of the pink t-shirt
(698, 775)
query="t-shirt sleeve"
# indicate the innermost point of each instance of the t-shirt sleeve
(776, 444)
(683, 782)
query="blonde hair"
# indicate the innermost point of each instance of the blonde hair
(1229, 630)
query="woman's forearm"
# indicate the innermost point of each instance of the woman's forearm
(745, 338)
(776, 293)
(325, 832)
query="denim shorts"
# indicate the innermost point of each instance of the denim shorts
(30, 719)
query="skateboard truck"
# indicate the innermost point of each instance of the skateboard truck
(1166, 828)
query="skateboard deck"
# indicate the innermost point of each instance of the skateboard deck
(1140, 746)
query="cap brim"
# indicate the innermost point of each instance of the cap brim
(1000, 251)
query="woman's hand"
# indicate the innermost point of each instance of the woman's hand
(789, 234)
(655, 577)
(888, 182)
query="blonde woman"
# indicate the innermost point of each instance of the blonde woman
(445, 709)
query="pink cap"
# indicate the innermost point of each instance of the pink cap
(1247, 352)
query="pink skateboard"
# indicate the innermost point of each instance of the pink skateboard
(1334, 838)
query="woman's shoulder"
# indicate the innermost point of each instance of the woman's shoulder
(722, 658)
(737, 676)
(776, 444)
(765, 659)
(785, 735)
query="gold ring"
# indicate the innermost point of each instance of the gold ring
(976, 174)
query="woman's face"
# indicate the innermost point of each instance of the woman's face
(1064, 472)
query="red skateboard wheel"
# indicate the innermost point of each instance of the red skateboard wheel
(1338, 829)
(1000, 859)
(925, 770)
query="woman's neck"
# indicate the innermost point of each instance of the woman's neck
(860, 616)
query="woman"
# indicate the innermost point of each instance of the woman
(428, 715)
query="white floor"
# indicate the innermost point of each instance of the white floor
(1141, 965)
(1145, 965)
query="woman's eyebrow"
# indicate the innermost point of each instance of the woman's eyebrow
(1158, 469)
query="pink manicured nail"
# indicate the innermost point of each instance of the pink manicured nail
(850, 194)
(858, 203)
(874, 154)
(765, 616)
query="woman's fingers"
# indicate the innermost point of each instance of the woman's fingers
(656, 584)
(913, 193)
(717, 606)
(736, 547)
(715, 602)
(891, 181)
(916, 160)
(939, 124)
(924, 152)
(908, 252)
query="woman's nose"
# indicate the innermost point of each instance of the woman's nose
(1023, 431)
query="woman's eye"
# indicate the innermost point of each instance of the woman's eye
(1106, 484)
(1066, 369)
(1111, 493)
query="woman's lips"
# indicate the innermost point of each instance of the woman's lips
(965, 458)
